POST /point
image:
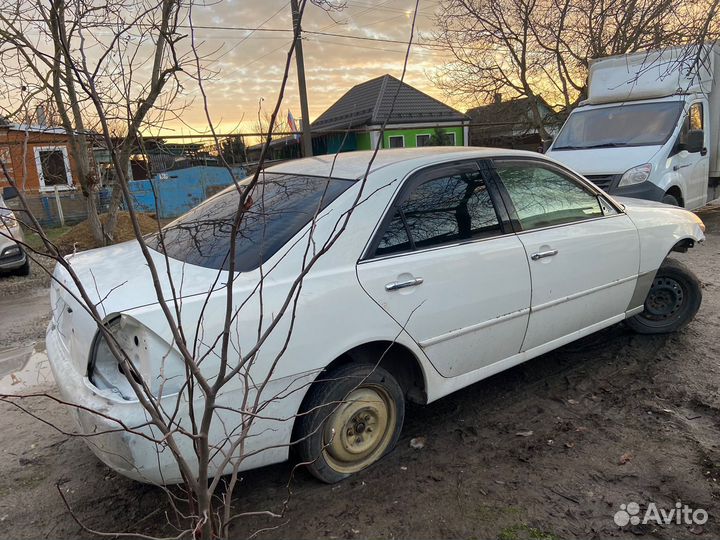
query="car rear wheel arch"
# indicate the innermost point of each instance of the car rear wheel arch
(394, 357)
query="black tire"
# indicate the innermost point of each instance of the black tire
(674, 299)
(327, 405)
(24, 270)
(670, 199)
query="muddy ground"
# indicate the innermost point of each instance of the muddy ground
(549, 449)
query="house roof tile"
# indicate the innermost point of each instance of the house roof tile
(371, 103)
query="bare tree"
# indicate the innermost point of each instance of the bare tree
(210, 362)
(541, 49)
(78, 55)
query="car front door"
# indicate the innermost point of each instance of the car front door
(446, 266)
(583, 252)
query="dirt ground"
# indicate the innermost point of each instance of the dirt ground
(549, 449)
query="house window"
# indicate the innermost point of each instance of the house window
(423, 140)
(443, 138)
(7, 162)
(396, 141)
(53, 167)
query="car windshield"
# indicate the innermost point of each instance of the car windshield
(276, 209)
(633, 124)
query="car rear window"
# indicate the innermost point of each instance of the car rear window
(277, 208)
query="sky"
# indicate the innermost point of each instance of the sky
(250, 65)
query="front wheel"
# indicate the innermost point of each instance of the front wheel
(670, 199)
(352, 418)
(674, 299)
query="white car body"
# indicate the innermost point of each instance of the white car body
(482, 306)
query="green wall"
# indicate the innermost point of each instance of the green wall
(410, 134)
(364, 139)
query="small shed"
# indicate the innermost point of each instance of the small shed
(36, 157)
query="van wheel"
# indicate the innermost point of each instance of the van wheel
(672, 302)
(353, 417)
(670, 199)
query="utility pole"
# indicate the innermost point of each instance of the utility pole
(300, 62)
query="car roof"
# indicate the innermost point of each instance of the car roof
(353, 165)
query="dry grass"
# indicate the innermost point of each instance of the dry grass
(80, 236)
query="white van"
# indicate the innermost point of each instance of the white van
(650, 126)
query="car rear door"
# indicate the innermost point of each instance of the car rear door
(445, 264)
(582, 251)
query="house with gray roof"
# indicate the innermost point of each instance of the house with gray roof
(413, 119)
(511, 124)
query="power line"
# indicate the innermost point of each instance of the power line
(365, 38)
(256, 29)
(385, 8)
(355, 45)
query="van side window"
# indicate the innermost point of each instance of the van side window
(693, 122)
(695, 116)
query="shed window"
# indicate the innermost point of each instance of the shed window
(53, 166)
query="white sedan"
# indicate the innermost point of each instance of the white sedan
(455, 264)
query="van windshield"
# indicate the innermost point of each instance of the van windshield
(630, 124)
(276, 209)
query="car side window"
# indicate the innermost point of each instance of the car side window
(543, 197)
(441, 210)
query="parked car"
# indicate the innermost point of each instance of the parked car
(455, 264)
(12, 256)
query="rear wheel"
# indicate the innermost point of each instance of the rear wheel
(672, 302)
(352, 418)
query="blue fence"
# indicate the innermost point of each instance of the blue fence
(44, 206)
(173, 193)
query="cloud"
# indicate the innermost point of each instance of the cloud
(250, 67)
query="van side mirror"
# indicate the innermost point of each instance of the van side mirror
(695, 141)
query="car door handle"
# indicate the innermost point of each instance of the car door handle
(395, 285)
(542, 254)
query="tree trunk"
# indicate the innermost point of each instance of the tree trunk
(93, 218)
(115, 200)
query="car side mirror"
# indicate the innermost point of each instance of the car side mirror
(695, 141)
(546, 144)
